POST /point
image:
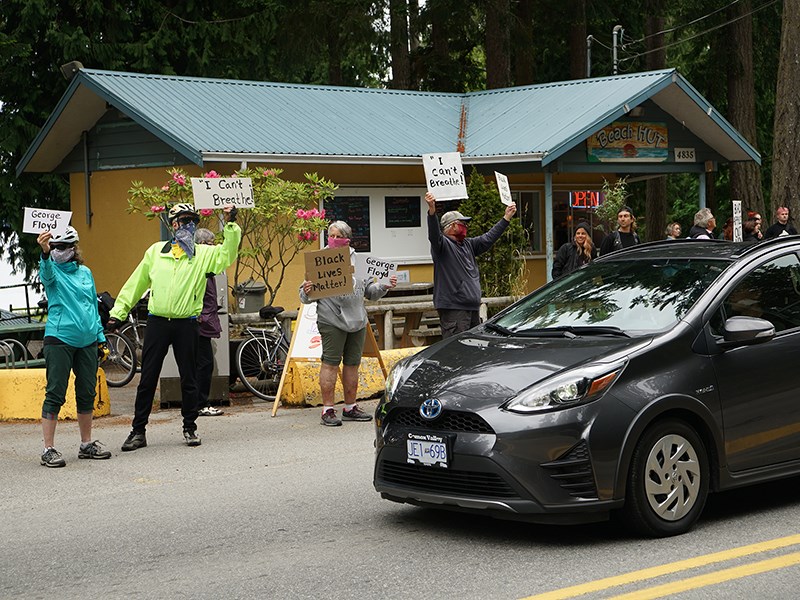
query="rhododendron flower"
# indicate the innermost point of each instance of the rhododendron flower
(314, 236)
(307, 235)
(156, 209)
(164, 188)
(300, 236)
(179, 179)
(269, 173)
(322, 214)
(313, 213)
(206, 211)
(301, 214)
(212, 175)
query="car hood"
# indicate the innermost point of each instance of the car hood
(477, 371)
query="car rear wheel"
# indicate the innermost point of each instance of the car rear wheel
(668, 480)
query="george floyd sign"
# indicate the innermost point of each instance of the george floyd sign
(38, 220)
(329, 272)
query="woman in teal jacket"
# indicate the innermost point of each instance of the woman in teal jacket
(73, 338)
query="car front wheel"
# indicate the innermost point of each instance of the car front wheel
(668, 480)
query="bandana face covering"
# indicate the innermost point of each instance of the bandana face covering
(185, 237)
(459, 232)
(338, 242)
(62, 255)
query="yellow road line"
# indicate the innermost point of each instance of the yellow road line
(675, 567)
(693, 583)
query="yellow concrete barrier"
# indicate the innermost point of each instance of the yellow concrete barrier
(22, 394)
(302, 378)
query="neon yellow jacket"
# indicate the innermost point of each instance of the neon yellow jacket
(176, 285)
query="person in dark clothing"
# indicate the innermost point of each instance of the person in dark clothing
(704, 224)
(782, 226)
(456, 278)
(575, 254)
(208, 328)
(625, 234)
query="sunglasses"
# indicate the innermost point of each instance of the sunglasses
(185, 220)
(59, 246)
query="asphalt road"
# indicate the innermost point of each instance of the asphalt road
(284, 508)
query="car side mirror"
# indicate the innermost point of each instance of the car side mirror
(744, 331)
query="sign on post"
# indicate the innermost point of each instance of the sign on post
(38, 220)
(374, 269)
(737, 220)
(444, 175)
(503, 188)
(216, 192)
(329, 272)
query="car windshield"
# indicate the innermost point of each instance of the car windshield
(633, 296)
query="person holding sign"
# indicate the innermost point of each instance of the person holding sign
(456, 278)
(73, 341)
(342, 323)
(175, 272)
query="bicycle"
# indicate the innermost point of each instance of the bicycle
(135, 327)
(261, 358)
(120, 365)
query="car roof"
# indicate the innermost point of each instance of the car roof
(701, 249)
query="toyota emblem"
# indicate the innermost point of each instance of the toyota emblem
(430, 409)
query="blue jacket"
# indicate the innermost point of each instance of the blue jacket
(72, 314)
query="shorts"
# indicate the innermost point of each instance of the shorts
(340, 346)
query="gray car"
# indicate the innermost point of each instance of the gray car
(632, 387)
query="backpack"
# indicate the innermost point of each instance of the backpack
(105, 302)
(618, 240)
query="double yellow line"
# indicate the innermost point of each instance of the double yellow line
(690, 583)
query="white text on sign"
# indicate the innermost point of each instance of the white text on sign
(217, 192)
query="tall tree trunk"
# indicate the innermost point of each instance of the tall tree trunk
(745, 176)
(498, 43)
(401, 60)
(786, 141)
(656, 195)
(577, 40)
(522, 48)
(414, 41)
(334, 54)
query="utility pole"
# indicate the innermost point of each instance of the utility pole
(616, 34)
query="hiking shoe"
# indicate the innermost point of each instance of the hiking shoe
(95, 451)
(134, 441)
(330, 419)
(191, 437)
(53, 458)
(209, 411)
(355, 415)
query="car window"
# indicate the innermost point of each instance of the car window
(771, 291)
(632, 295)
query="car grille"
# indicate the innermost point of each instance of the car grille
(573, 471)
(445, 481)
(450, 420)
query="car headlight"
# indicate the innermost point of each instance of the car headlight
(397, 375)
(576, 386)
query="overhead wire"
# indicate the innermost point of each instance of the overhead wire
(697, 20)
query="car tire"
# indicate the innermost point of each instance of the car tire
(668, 480)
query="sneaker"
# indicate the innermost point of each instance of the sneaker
(134, 441)
(330, 419)
(355, 415)
(191, 437)
(209, 411)
(53, 458)
(95, 451)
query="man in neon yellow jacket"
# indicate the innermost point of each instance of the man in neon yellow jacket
(175, 272)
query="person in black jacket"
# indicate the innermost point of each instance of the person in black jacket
(782, 226)
(575, 254)
(624, 236)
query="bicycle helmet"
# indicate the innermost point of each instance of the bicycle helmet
(69, 236)
(182, 208)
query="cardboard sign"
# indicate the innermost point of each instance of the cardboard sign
(37, 220)
(737, 220)
(307, 342)
(503, 188)
(374, 269)
(444, 175)
(216, 192)
(330, 272)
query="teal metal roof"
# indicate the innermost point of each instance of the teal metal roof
(215, 119)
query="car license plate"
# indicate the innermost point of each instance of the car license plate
(427, 449)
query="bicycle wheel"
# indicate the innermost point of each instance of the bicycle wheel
(259, 362)
(136, 335)
(120, 366)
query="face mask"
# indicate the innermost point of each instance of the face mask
(185, 237)
(338, 242)
(459, 231)
(62, 255)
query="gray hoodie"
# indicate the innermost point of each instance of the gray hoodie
(346, 312)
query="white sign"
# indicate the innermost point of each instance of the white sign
(685, 155)
(373, 269)
(503, 188)
(307, 342)
(444, 175)
(403, 276)
(737, 220)
(37, 220)
(216, 192)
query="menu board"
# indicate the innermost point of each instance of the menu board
(403, 211)
(353, 210)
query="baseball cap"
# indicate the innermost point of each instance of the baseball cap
(451, 217)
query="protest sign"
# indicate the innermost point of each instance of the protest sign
(737, 220)
(37, 220)
(216, 192)
(374, 269)
(503, 188)
(444, 175)
(329, 272)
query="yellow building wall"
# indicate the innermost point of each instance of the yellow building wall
(116, 240)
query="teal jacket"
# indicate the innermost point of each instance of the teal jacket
(177, 285)
(72, 314)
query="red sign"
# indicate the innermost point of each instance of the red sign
(585, 199)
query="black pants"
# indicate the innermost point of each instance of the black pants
(455, 321)
(205, 369)
(162, 333)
